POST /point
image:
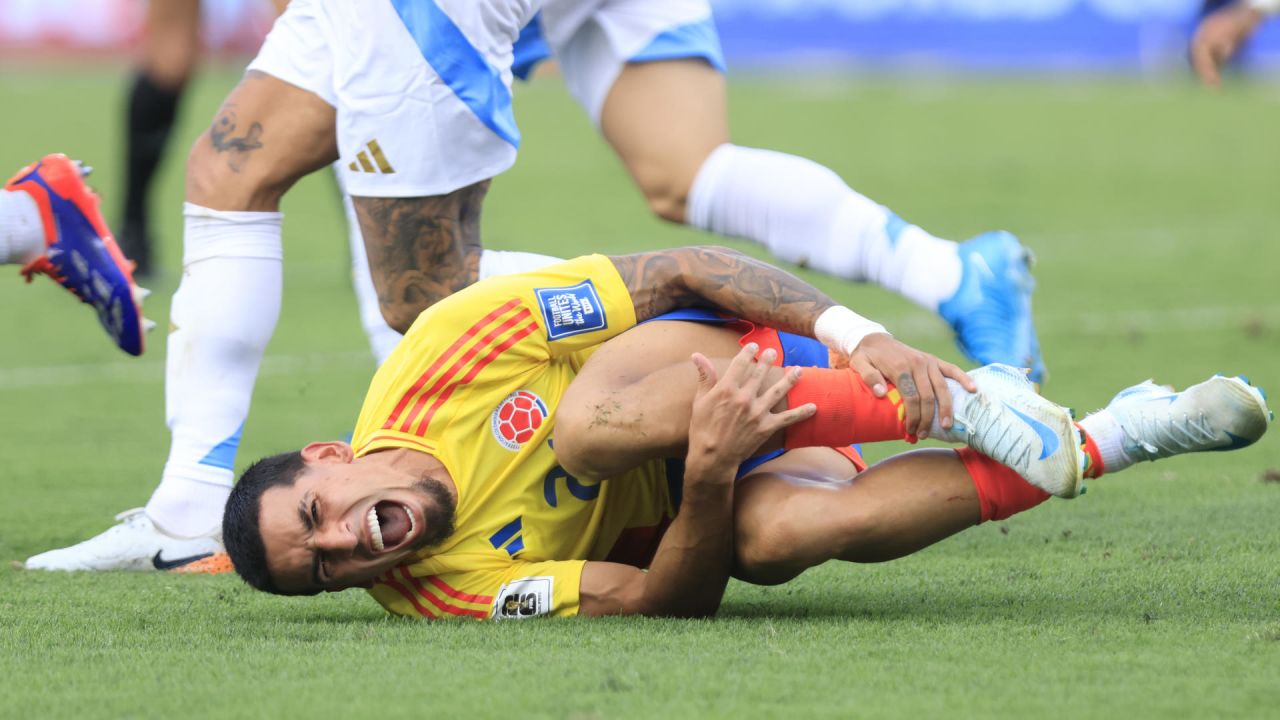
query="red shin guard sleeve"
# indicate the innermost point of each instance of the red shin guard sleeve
(1001, 491)
(848, 412)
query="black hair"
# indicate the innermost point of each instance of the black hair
(241, 534)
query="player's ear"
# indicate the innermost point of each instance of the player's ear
(327, 452)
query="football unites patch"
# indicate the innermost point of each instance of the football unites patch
(572, 310)
(517, 418)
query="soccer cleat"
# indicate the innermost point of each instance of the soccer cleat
(1007, 421)
(80, 253)
(133, 544)
(1221, 413)
(991, 310)
(218, 563)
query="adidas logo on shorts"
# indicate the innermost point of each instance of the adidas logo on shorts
(371, 160)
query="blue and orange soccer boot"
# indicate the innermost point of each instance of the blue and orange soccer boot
(80, 253)
(991, 311)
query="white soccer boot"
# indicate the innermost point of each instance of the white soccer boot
(134, 544)
(1009, 422)
(1221, 413)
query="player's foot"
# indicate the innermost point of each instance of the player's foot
(1007, 421)
(1221, 413)
(133, 544)
(991, 311)
(80, 253)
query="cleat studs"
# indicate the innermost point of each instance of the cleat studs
(1245, 379)
(140, 293)
(148, 325)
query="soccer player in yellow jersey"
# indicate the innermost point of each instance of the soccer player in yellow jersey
(520, 452)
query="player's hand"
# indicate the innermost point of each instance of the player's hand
(919, 377)
(733, 415)
(1219, 37)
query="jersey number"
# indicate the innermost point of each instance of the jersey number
(575, 486)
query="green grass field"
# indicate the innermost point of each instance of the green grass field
(1153, 208)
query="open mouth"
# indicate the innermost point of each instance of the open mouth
(390, 524)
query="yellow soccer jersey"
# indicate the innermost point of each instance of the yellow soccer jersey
(475, 383)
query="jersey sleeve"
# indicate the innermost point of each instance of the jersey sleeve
(515, 591)
(489, 338)
(577, 304)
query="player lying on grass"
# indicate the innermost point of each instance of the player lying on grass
(414, 98)
(50, 224)
(518, 454)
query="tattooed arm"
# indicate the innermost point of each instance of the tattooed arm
(421, 249)
(753, 290)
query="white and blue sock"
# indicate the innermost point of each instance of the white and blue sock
(805, 214)
(222, 316)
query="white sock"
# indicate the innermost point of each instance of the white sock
(382, 337)
(1103, 428)
(21, 230)
(221, 319)
(805, 214)
(508, 262)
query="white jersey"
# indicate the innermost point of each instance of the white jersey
(422, 88)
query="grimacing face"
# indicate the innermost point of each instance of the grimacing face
(345, 521)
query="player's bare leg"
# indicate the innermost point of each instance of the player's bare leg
(807, 507)
(667, 120)
(266, 136)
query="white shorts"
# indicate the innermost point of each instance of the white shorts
(422, 88)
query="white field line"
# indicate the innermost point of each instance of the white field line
(921, 324)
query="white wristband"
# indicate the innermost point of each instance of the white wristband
(1266, 7)
(841, 329)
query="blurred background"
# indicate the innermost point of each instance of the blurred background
(988, 34)
(1015, 35)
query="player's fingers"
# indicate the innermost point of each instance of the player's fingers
(928, 399)
(773, 394)
(740, 366)
(787, 418)
(870, 375)
(956, 373)
(910, 401)
(939, 382)
(760, 370)
(706, 372)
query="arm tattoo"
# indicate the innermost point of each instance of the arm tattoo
(421, 250)
(724, 280)
(223, 136)
(907, 385)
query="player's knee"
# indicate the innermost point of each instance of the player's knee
(766, 552)
(225, 183)
(667, 197)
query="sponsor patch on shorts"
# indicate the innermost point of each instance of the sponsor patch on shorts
(572, 310)
(524, 598)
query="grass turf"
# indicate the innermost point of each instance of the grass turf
(1152, 208)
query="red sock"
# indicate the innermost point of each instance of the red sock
(1092, 456)
(848, 412)
(1001, 491)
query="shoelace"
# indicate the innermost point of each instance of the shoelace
(1160, 435)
